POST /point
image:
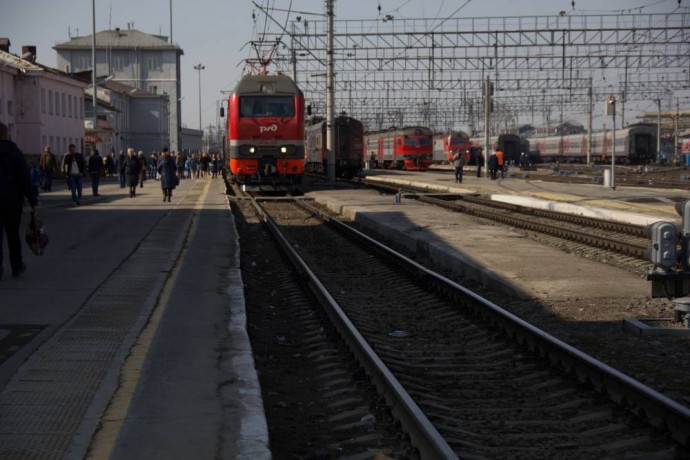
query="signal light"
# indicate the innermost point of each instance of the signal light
(662, 252)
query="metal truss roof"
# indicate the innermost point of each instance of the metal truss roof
(421, 67)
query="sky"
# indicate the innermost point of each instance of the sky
(215, 33)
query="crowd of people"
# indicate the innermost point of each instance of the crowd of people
(132, 169)
(20, 180)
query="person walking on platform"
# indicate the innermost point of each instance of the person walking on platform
(119, 167)
(167, 168)
(144, 169)
(15, 184)
(153, 162)
(180, 162)
(47, 165)
(493, 166)
(214, 165)
(480, 163)
(458, 163)
(131, 170)
(95, 167)
(74, 168)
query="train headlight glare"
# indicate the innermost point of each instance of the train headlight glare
(252, 149)
(283, 150)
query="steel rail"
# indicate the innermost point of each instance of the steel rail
(659, 410)
(598, 241)
(611, 244)
(422, 432)
(621, 227)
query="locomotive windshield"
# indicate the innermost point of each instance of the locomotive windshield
(267, 106)
(413, 141)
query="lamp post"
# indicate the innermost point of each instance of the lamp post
(93, 75)
(199, 68)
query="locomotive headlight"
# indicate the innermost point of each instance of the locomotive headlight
(283, 150)
(287, 149)
(247, 150)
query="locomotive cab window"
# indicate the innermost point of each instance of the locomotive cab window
(267, 106)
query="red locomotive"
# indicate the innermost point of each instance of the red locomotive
(348, 145)
(265, 127)
(410, 148)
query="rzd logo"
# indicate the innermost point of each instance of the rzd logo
(263, 129)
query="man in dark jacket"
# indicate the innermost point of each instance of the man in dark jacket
(74, 168)
(95, 167)
(15, 184)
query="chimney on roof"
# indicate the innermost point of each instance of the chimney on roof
(29, 53)
(5, 44)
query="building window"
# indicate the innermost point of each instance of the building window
(120, 61)
(64, 105)
(43, 100)
(83, 62)
(10, 108)
(69, 106)
(155, 63)
(57, 103)
(153, 89)
(81, 108)
(50, 102)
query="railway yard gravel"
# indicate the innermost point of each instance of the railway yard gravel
(595, 325)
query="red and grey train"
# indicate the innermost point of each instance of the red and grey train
(409, 148)
(348, 146)
(635, 144)
(265, 129)
(447, 144)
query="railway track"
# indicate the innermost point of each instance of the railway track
(615, 237)
(490, 384)
(317, 403)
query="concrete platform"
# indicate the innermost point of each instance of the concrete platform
(142, 350)
(635, 205)
(498, 257)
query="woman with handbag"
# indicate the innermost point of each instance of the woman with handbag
(167, 169)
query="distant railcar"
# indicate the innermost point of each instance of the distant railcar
(409, 148)
(265, 129)
(634, 145)
(511, 145)
(348, 146)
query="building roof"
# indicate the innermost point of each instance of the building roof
(15, 62)
(118, 38)
(25, 65)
